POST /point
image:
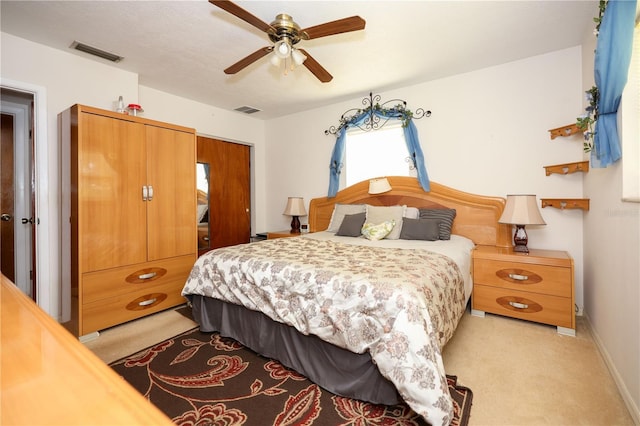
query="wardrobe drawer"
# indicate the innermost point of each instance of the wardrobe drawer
(105, 313)
(549, 280)
(524, 305)
(135, 278)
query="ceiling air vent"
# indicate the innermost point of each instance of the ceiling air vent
(247, 109)
(95, 51)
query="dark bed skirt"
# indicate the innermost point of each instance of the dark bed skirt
(335, 369)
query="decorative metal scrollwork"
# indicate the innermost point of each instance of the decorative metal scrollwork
(412, 161)
(377, 114)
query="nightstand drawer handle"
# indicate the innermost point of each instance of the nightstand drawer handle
(147, 276)
(518, 277)
(519, 305)
(147, 302)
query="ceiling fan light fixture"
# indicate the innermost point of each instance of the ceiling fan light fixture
(275, 60)
(282, 48)
(297, 56)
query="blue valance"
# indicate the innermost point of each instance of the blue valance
(372, 118)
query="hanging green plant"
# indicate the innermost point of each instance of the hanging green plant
(598, 19)
(587, 122)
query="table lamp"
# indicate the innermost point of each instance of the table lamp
(521, 210)
(295, 208)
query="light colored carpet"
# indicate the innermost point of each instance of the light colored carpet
(117, 342)
(520, 373)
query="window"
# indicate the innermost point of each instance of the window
(381, 152)
(630, 126)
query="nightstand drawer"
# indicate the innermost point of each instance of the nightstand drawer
(529, 277)
(282, 234)
(524, 305)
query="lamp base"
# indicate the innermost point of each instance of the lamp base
(521, 248)
(520, 240)
(295, 225)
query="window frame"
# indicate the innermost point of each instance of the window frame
(629, 125)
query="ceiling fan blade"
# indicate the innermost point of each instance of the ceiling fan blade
(245, 62)
(353, 23)
(236, 10)
(315, 68)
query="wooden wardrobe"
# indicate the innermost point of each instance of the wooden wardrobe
(129, 209)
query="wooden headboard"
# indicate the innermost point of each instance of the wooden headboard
(476, 215)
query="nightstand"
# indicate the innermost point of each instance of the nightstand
(538, 286)
(282, 234)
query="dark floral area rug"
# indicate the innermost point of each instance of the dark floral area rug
(200, 378)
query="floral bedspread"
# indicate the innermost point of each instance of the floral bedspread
(401, 306)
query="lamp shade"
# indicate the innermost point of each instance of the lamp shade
(379, 186)
(297, 56)
(282, 48)
(521, 210)
(295, 207)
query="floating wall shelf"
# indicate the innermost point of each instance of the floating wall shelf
(568, 130)
(563, 169)
(566, 203)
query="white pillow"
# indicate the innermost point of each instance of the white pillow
(377, 232)
(379, 214)
(412, 213)
(340, 211)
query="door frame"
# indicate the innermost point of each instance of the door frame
(47, 249)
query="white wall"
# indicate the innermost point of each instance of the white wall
(488, 134)
(612, 267)
(69, 79)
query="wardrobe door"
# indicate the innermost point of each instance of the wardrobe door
(111, 172)
(171, 165)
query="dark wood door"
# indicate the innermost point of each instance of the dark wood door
(7, 200)
(229, 215)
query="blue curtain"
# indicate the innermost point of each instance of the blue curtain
(413, 145)
(410, 136)
(613, 55)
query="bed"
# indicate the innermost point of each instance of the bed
(363, 318)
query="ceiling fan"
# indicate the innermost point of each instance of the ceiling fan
(284, 33)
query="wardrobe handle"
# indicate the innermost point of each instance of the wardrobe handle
(145, 193)
(150, 196)
(519, 305)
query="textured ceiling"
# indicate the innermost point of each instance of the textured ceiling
(182, 47)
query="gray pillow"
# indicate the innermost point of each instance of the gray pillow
(340, 210)
(445, 216)
(352, 225)
(420, 229)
